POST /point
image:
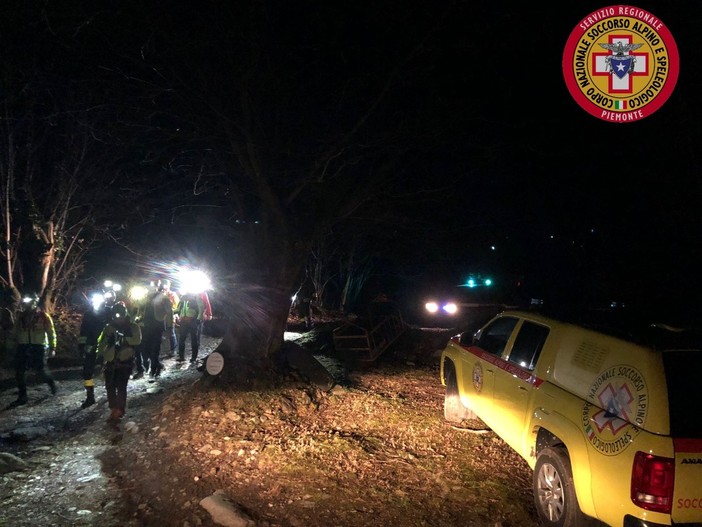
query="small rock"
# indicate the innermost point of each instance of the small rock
(11, 463)
(131, 426)
(85, 479)
(28, 433)
(225, 512)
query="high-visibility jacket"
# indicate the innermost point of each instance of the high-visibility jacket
(34, 327)
(174, 302)
(191, 307)
(118, 342)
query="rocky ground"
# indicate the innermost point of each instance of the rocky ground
(373, 451)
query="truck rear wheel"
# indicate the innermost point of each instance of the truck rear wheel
(554, 492)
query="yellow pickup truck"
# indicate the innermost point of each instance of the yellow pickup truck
(607, 416)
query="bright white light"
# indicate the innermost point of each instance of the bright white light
(96, 300)
(138, 292)
(108, 284)
(116, 287)
(451, 308)
(432, 307)
(193, 281)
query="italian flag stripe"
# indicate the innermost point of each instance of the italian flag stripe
(620, 105)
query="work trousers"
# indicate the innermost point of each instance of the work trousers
(170, 332)
(141, 357)
(191, 327)
(117, 375)
(89, 360)
(32, 356)
(151, 346)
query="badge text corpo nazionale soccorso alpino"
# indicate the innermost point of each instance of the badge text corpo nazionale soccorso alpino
(621, 63)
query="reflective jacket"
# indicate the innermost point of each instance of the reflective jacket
(34, 327)
(118, 343)
(191, 307)
(173, 301)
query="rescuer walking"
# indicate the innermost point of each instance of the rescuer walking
(96, 316)
(32, 337)
(116, 345)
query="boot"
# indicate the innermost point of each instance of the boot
(22, 399)
(89, 397)
(115, 416)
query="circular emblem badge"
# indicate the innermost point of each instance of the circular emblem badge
(618, 409)
(214, 363)
(620, 64)
(478, 377)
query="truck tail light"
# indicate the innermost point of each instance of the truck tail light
(652, 482)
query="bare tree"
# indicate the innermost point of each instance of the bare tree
(278, 122)
(54, 169)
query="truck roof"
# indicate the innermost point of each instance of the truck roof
(644, 328)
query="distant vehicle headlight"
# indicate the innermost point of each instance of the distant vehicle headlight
(450, 308)
(432, 307)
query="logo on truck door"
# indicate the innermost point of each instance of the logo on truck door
(618, 408)
(478, 377)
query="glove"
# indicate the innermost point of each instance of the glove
(52, 352)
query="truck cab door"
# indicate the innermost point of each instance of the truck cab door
(515, 383)
(483, 360)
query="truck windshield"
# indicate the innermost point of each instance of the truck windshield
(683, 370)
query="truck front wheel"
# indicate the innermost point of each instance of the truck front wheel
(554, 492)
(454, 411)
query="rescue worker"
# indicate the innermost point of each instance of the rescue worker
(141, 355)
(206, 315)
(32, 337)
(7, 322)
(156, 308)
(116, 345)
(304, 297)
(98, 314)
(169, 322)
(191, 312)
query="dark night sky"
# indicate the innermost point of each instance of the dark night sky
(574, 203)
(568, 201)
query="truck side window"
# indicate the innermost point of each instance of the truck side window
(528, 345)
(494, 337)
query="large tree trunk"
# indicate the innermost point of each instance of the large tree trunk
(257, 314)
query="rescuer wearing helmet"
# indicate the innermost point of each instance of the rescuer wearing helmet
(32, 336)
(156, 308)
(191, 312)
(116, 345)
(169, 322)
(96, 316)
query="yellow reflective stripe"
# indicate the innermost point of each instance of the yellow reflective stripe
(88, 383)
